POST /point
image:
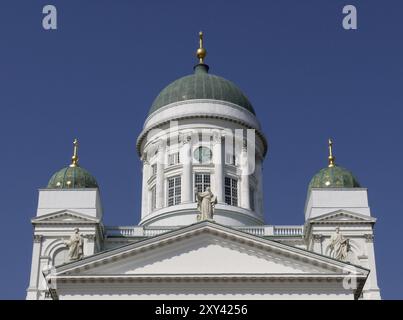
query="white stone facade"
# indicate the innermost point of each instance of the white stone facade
(170, 255)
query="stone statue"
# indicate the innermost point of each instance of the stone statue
(75, 245)
(339, 245)
(205, 204)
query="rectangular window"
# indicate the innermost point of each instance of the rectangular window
(153, 198)
(202, 181)
(173, 159)
(252, 198)
(231, 191)
(174, 190)
(153, 169)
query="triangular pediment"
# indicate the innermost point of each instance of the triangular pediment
(207, 249)
(65, 217)
(343, 216)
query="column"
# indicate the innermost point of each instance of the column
(371, 289)
(187, 176)
(159, 187)
(89, 244)
(218, 158)
(245, 201)
(144, 196)
(32, 293)
(317, 243)
(259, 187)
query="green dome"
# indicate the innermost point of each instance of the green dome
(334, 177)
(72, 178)
(201, 85)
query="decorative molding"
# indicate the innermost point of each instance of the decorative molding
(144, 159)
(186, 137)
(217, 138)
(283, 278)
(59, 217)
(161, 144)
(369, 237)
(342, 217)
(144, 133)
(90, 237)
(317, 238)
(38, 238)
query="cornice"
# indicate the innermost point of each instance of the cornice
(278, 277)
(145, 131)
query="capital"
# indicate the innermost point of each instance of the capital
(90, 237)
(161, 144)
(369, 237)
(186, 138)
(38, 238)
(317, 237)
(144, 159)
(217, 137)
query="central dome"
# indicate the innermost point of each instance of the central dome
(201, 85)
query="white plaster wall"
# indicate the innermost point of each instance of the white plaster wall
(326, 200)
(86, 201)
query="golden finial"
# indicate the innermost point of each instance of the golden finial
(201, 52)
(74, 158)
(331, 157)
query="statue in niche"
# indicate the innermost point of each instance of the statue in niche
(205, 204)
(75, 245)
(339, 245)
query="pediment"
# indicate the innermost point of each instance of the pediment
(206, 249)
(343, 216)
(65, 217)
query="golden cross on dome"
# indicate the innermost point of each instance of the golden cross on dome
(201, 52)
(74, 158)
(331, 157)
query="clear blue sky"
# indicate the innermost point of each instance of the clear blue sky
(96, 76)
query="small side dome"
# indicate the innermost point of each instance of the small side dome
(73, 176)
(333, 176)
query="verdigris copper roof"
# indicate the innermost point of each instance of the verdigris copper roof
(201, 85)
(334, 177)
(72, 178)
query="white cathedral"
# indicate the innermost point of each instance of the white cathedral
(202, 233)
